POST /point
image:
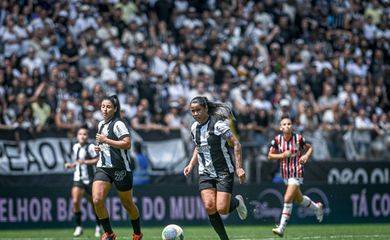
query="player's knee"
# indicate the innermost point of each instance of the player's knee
(288, 199)
(76, 202)
(210, 207)
(97, 201)
(222, 209)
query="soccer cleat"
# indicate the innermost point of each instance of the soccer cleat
(319, 212)
(137, 237)
(278, 231)
(108, 236)
(97, 231)
(78, 231)
(241, 209)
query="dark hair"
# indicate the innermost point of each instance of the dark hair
(285, 116)
(221, 110)
(115, 102)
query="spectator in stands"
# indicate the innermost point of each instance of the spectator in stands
(323, 56)
(141, 172)
(41, 112)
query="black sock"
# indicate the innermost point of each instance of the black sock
(106, 225)
(97, 220)
(136, 226)
(216, 222)
(233, 204)
(77, 217)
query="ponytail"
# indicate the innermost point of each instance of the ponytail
(218, 109)
(115, 102)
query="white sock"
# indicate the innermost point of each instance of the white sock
(308, 203)
(286, 213)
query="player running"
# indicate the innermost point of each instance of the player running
(293, 152)
(214, 142)
(85, 158)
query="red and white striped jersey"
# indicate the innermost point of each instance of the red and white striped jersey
(290, 167)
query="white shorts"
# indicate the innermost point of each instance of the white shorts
(293, 181)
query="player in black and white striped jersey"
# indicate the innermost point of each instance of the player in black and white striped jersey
(85, 159)
(114, 167)
(214, 142)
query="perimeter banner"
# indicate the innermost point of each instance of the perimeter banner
(45, 207)
(48, 152)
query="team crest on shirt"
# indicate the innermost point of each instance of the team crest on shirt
(119, 175)
(207, 134)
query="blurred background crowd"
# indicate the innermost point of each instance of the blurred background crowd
(324, 62)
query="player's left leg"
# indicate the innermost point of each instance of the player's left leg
(77, 194)
(306, 202)
(225, 203)
(125, 192)
(88, 194)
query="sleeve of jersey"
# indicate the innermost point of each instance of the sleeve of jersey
(223, 128)
(120, 130)
(302, 141)
(91, 151)
(274, 146)
(74, 153)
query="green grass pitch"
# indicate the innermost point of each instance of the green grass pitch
(336, 232)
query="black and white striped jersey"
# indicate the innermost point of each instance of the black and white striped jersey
(214, 153)
(111, 157)
(83, 172)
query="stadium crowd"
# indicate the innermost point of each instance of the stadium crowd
(325, 62)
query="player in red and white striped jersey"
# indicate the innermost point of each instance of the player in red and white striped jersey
(293, 152)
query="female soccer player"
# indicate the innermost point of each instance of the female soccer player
(293, 151)
(114, 166)
(85, 158)
(214, 140)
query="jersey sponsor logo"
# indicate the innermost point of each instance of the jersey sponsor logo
(207, 134)
(119, 175)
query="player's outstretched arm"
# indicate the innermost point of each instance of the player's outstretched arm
(192, 163)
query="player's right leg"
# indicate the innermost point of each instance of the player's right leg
(225, 202)
(77, 195)
(208, 193)
(289, 197)
(100, 189)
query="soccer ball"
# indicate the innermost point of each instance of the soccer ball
(172, 232)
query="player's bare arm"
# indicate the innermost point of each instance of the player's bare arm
(124, 143)
(233, 141)
(193, 162)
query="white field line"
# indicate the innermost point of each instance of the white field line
(376, 236)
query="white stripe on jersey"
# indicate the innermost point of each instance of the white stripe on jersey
(208, 167)
(120, 130)
(81, 171)
(220, 128)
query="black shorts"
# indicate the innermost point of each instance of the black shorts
(86, 187)
(223, 183)
(122, 179)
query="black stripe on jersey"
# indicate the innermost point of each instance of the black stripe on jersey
(197, 140)
(217, 157)
(230, 149)
(295, 158)
(100, 131)
(288, 160)
(77, 158)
